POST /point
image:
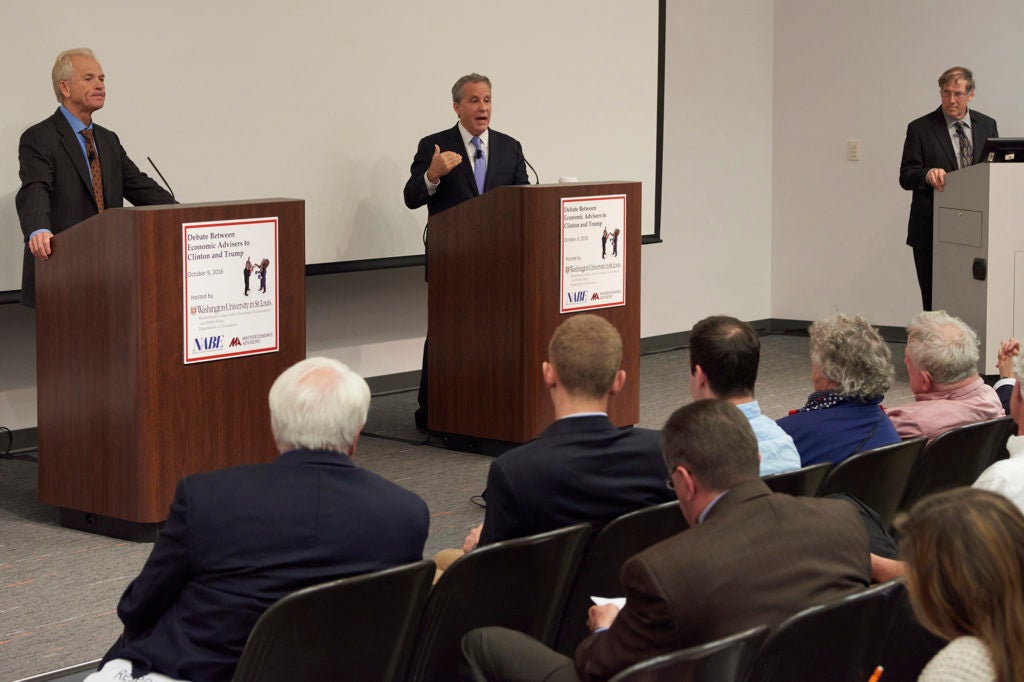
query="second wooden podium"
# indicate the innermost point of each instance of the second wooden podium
(494, 266)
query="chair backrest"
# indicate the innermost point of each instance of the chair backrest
(956, 458)
(725, 660)
(599, 571)
(908, 646)
(840, 642)
(520, 584)
(361, 628)
(804, 482)
(877, 477)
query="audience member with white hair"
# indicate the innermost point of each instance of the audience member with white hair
(239, 539)
(942, 364)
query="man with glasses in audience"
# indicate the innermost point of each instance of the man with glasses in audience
(947, 139)
(750, 557)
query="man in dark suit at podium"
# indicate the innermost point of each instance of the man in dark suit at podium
(460, 163)
(947, 139)
(239, 539)
(72, 169)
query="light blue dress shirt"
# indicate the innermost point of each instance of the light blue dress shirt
(778, 452)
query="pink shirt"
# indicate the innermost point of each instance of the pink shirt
(932, 413)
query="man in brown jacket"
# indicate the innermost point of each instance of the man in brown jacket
(750, 557)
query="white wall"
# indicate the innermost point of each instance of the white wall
(717, 177)
(863, 70)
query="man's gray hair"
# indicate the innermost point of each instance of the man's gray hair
(318, 404)
(851, 353)
(63, 69)
(942, 345)
(468, 78)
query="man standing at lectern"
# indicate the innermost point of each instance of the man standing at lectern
(947, 139)
(70, 168)
(460, 163)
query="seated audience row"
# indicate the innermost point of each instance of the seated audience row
(239, 539)
(851, 369)
(751, 557)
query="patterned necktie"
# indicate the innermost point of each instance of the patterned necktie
(94, 168)
(479, 165)
(966, 150)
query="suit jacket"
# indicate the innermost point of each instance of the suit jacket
(579, 470)
(239, 539)
(757, 558)
(505, 166)
(56, 185)
(928, 146)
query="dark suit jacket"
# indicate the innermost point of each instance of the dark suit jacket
(757, 558)
(579, 470)
(56, 185)
(239, 539)
(928, 146)
(505, 166)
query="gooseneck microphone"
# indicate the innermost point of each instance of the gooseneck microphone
(519, 151)
(165, 179)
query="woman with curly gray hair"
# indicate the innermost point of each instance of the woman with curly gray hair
(851, 369)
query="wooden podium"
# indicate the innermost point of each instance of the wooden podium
(978, 267)
(495, 268)
(121, 417)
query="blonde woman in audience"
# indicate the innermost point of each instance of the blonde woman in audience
(964, 552)
(851, 369)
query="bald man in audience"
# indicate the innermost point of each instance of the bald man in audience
(582, 468)
(942, 365)
(724, 355)
(239, 539)
(751, 557)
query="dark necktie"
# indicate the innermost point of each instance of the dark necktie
(479, 165)
(966, 150)
(94, 168)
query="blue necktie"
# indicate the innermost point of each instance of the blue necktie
(479, 165)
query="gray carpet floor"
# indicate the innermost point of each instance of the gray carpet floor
(59, 588)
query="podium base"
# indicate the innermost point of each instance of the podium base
(109, 526)
(478, 446)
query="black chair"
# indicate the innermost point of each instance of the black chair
(908, 646)
(599, 571)
(520, 584)
(725, 660)
(359, 628)
(840, 642)
(956, 458)
(877, 477)
(805, 482)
